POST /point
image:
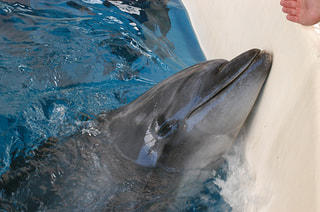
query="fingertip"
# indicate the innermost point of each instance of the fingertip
(289, 11)
(292, 18)
(288, 3)
(284, 9)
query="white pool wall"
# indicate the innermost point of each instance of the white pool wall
(283, 141)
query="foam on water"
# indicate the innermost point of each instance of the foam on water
(93, 1)
(236, 189)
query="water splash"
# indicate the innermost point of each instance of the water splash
(237, 187)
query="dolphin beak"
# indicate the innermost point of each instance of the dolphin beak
(242, 63)
(267, 57)
(262, 61)
(253, 60)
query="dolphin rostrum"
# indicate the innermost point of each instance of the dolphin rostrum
(137, 153)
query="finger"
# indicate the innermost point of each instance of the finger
(288, 3)
(293, 18)
(289, 11)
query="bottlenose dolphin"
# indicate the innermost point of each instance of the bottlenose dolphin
(134, 157)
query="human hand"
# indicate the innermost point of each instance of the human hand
(305, 12)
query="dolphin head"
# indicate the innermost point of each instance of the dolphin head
(191, 119)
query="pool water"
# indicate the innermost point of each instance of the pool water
(63, 62)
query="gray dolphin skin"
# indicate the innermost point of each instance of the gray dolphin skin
(135, 157)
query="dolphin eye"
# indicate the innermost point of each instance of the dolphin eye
(168, 129)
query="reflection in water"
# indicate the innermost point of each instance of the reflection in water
(152, 14)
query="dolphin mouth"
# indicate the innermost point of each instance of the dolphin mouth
(254, 56)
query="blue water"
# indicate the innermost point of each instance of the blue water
(63, 62)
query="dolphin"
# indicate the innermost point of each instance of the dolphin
(134, 157)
